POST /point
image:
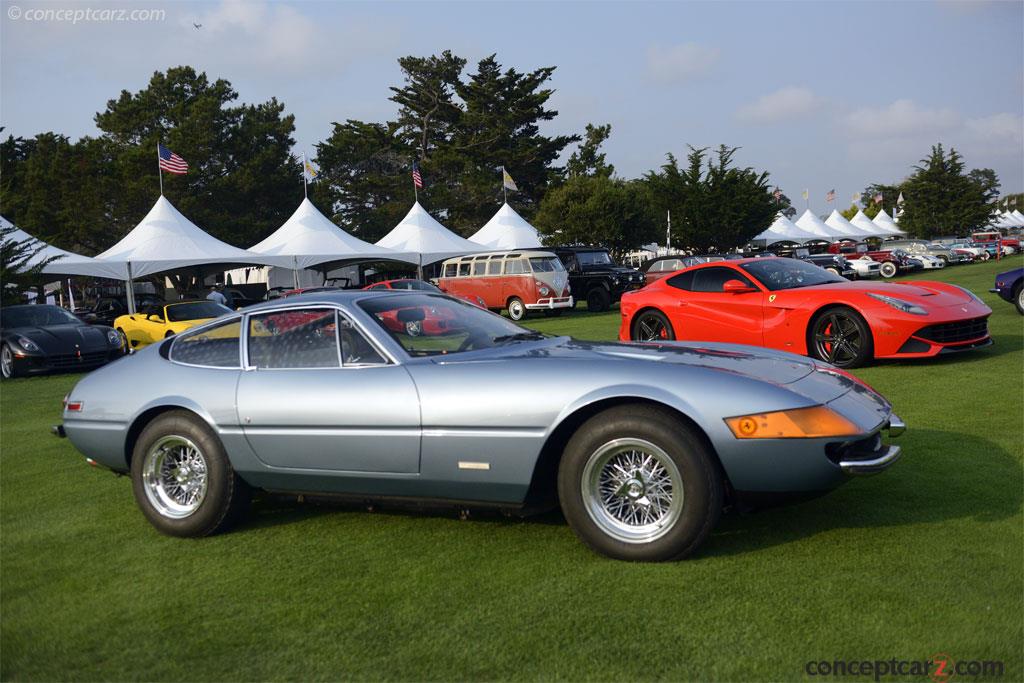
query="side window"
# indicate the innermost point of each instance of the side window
(515, 267)
(712, 279)
(294, 338)
(682, 281)
(212, 346)
(450, 270)
(355, 349)
(479, 267)
(463, 269)
(494, 267)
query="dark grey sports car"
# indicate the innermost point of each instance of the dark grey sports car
(42, 338)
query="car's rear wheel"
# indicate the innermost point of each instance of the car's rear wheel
(888, 269)
(652, 326)
(182, 479)
(840, 336)
(598, 300)
(833, 270)
(516, 308)
(7, 367)
(636, 484)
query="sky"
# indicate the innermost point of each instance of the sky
(822, 95)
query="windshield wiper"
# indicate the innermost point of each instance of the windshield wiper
(518, 336)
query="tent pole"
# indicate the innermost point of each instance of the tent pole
(131, 291)
(419, 268)
(295, 271)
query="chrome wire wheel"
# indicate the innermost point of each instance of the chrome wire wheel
(6, 362)
(632, 490)
(174, 476)
(837, 339)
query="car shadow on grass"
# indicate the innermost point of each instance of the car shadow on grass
(942, 477)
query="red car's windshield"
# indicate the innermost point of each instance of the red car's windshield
(785, 273)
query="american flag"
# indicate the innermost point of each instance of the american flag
(417, 179)
(777, 194)
(878, 198)
(171, 162)
(831, 196)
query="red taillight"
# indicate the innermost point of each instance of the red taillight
(73, 406)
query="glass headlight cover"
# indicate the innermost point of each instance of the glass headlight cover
(799, 423)
(899, 304)
(114, 337)
(27, 344)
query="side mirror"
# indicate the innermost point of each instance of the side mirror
(737, 287)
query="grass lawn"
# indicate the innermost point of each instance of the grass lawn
(924, 559)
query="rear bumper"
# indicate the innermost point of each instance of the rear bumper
(551, 303)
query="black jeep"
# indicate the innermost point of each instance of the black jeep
(595, 277)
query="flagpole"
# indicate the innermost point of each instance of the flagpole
(159, 169)
(504, 189)
(305, 190)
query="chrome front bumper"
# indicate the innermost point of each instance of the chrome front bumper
(886, 457)
(552, 303)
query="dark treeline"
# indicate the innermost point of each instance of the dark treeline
(460, 124)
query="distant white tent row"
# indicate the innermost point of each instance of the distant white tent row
(419, 233)
(810, 228)
(66, 263)
(784, 230)
(1008, 219)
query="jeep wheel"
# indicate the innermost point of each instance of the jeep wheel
(598, 300)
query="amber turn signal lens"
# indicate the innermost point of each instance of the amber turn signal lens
(799, 423)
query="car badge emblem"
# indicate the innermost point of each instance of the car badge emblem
(963, 308)
(771, 297)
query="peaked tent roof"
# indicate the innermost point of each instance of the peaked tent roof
(1018, 217)
(166, 240)
(867, 227)
(308, 238)
(885, 222)
(507, 230)
(843, 227)
(67, 262)
(784, 230)
(419, 233)
(809, 222)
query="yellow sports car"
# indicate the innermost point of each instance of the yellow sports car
(160, 321)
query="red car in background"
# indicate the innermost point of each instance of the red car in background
(434, 321)
(798, 307)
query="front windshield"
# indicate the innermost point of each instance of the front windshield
(195, 310)
(594, 258)
(433, 325)
(785, 273)
(34, 315)
(416, 285)
(546, 264)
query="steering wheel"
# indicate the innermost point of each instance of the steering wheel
(471, 341)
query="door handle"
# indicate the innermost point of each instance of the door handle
(682, 303)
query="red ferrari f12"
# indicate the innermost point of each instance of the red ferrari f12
(796, 306)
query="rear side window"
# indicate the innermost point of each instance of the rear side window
(450, 269)
(479, 267)
(682, 281)
(712, 279)
(216, 346)
(494, 267)
(463, 269)
(294, 338)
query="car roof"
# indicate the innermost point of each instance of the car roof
(338, 296)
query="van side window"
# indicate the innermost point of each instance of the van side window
(494, 267)
(463, 269)
(515, 267)
(450, 269)
(479, 267)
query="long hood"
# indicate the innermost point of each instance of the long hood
(64, 338)
(927, 294)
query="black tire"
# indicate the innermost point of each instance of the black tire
(169, 334)
(8, 368)
(516, 308)
(598, 300)
(651, 326)
(944, 259)
(585, 485)
(851, 348)
(834, 270)
(888, 269)
(226, 496)
(1018, 297)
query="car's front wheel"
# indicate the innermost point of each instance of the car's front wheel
(7, 367)
(652, 326)
(840, 336)
(888, 269)
(637, 484)
(1018, 300)
(182, 479)
(516, 308)
(598, 300)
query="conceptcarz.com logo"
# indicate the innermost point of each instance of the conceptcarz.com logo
(940, 668)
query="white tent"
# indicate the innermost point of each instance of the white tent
(419, 233)
(308, 238)
(67, 262)
(784, 230)
(507, 230)
(166, 240)
(842, 227)
(885, 222)
(1018, 217)
(810, 223)
(865, 225)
